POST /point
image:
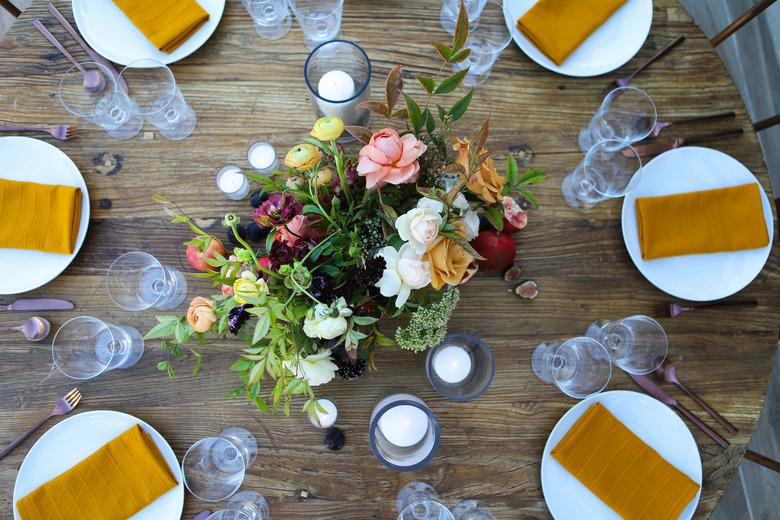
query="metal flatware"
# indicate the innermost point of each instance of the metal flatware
(34, 328)
(656, 147)
(656, 391)
(202, 515)
(37, 304)
(93, 79)
(624, 81)
(660, 125)
(59, 132)
(63, 407)
(675, 309)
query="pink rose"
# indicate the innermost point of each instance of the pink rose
(293, 230)
(390, 158)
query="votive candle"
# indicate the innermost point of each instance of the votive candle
(334, 89)
(327, 418)
(232, 182)
(404, 425)
(262, 156)
(452, 364)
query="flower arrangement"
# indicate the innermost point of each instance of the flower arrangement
(352, 240)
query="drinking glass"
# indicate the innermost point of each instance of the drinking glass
(486, 41)
(109, 108)
(460, 383)
(85, 347)
(157, 98)
(637, 344)
(579, 367)
(271, 17)
(245, 505)
(627, 114)
(449, 13)
(403, 432)
(319, 19)
(214, 467)
(604, 173)
(137, 281)
(420, 501)
(472, 510)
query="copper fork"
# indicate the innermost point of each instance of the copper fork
(63, 407)
(60, 132)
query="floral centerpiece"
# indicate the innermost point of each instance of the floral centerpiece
(352, 240)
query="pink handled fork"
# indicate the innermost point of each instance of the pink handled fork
(60, 132)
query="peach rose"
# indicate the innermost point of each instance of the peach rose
(448, 262)
(201, 314)
(389, 158)
(485, 183)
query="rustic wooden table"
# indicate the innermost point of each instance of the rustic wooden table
(244, 88)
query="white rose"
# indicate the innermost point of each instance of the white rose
(419, 227)
(317, 369)
(330, 328)
(433, 204)
(460, 203)
(471, 222)
(404, 271)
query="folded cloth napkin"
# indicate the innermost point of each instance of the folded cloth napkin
(114, 483)
(711, 221)
(43, 217)
(621, 470)
(166, 23)
(558, 27)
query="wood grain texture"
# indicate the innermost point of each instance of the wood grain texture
(244, 88)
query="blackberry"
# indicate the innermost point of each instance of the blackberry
(258, 198)
(334, 439)
(255, 232)
(242, 232)
(351, 370)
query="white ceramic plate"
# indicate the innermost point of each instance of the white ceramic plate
(608, 48)
(77, 437)
(650, 420)
(112, 35)
(27, 159)
(694, 277)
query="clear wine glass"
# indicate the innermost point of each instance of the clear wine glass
(109, 108)
(627, 114)
(214, 467)
(153, 90)
(319, 19)
(579, 367)
(637, 344)
(605, 173)
(137, 281)
(449, 13)
(271, 17)
(85, 347)
(486, 40)
(245, 505)
(420, 501)
(472, 510)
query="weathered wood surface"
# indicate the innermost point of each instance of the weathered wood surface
(244, 88)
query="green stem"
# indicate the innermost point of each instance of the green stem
(254, 256)
(340, 171)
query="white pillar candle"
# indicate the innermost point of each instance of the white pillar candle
(328, 418)
(337, 85)
(232, 182)
(452, 364)
(262, 156)
(404, 425)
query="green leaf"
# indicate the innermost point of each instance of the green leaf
(240, 365)
(415, 116)
(255, 373)
(451, 83)
(478, 141)
(511, 169)
(364, 320)
(529, 196)
(461, 28)
(495, 217)
(532, 176)
(315, 142)
(430, 123)
(311, 208)
(428, 84)
(393, 86)
(262, 405)
(442, 113)
(460, 106)
(163, 366)
(462, 242)
(383, 340)
(389, 213)
(460, 56)
(401, 114)
(375, 107)
(444, 51)
(165, 327)
(262, 327)
(360, 133)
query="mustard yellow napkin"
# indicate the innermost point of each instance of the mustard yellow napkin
(558, 27)
(621, 470)
(42, 217)
(711, 221)
(114, 483)
(166, 23)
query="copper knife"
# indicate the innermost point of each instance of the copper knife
(656, 391)
(37, 304)
(656, 147)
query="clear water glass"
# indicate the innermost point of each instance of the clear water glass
(214, 467)
(319, 19)
(137, 281)
(157, 98)
(245, 505)
(627, 114)
(486, 40)
(479, 377)
(472, 510)
(579, 367)
(449, 13)
(637, 344)
(85, 347)
(109, 108)
(420, 501)
(605, 173)
(271, 17)
(409, 456)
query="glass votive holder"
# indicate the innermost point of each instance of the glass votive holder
(461, 367)
(271, 18)
(403, 432)
(338, 73)
(232, 182)
(420, 501)
(262, 157)
(327, 418)
(472, 510)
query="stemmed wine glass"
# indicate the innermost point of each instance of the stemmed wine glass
(579, 367)
(137, 281)
(246, 505)
(448, 16)
(627, 114)
(420, 501)
(319, 19)
(637, 344)
(472, 510)
(486, 40)
(271, 17)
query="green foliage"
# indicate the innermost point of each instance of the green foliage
(428, 324)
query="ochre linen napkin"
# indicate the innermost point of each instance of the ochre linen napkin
(42, 217)
(166, 23)
(621, 470)
(114, 483)
(558, 27)
(711, 221)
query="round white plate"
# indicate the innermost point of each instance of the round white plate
(27, 159)
(650, 420)
(609, 47)
(695, 277)
(77, 437)
(112, 35)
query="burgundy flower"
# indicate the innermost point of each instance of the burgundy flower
(280, 254)
(278, 210)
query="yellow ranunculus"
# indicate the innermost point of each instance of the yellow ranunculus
(324, 176)
(303, 157)
(448, 262)
(485, 183)
(327, 128)
(249, 288)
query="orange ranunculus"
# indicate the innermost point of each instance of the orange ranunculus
(485, 183)
(201, 314)
(448, 262)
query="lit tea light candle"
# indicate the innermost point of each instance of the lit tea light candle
(335, 86)
(452, 364)
(262, 156)
(404, 425)
(232, 182)
(327, 418)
